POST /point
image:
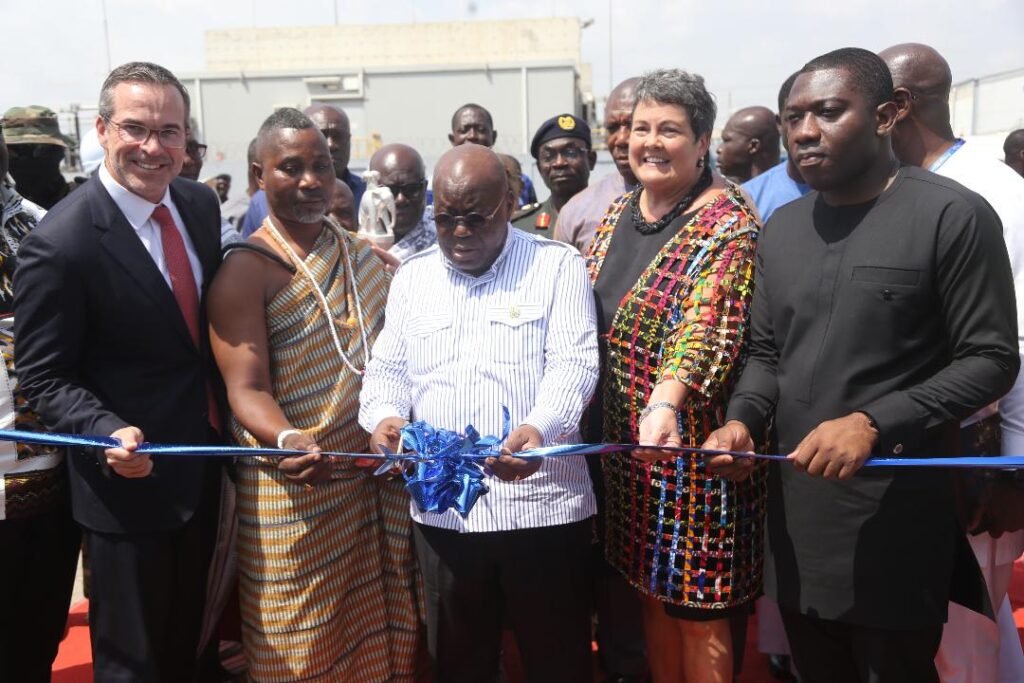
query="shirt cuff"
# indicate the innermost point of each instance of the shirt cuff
(380, 414)
(548, 423)
(900, 424)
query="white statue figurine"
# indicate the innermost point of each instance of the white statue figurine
(377, 212)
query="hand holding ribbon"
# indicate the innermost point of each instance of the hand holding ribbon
(310, 468)
(732, 436)
(124, 458)
(446, 471)
(510, 468)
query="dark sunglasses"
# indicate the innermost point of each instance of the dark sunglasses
(409, 190)
(35, 151)
(472, 220)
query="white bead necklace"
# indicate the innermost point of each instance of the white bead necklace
(350, 269)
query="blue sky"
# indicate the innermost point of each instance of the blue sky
(56, 53)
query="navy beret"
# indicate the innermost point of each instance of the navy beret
(562, 126)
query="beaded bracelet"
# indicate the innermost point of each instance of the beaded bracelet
(654, 406)
(285, 433)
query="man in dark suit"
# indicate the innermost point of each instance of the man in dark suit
(112, 341)
(883, 314)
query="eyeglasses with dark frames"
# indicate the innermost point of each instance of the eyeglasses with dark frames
(196, 149)
(409, 190)
(472, 220)
(137, 134)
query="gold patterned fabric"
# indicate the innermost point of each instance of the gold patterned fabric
(328, 581)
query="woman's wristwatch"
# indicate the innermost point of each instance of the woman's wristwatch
(656, 405)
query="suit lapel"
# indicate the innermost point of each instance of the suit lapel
(121, 241)
(205, 241)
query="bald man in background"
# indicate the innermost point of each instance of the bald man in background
(402, 171)
(1013, 151)
(750, 144)
(343, 206)
(973, 649)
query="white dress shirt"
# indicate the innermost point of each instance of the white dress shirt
(973, 648)
(139, 213)
(455, 348)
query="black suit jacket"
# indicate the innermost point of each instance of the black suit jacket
(102, 344)
(904, 308)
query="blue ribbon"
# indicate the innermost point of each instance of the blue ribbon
(445, 470)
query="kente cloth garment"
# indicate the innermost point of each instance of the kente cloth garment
(19, 216)
(422, 236)
(328, 580)
(675, 531)
(32, 479)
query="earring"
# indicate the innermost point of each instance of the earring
(700, 163)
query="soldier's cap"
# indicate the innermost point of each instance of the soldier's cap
(561, 126)
(33, 125)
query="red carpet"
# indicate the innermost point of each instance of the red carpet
(73, 663)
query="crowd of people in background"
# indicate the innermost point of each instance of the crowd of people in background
(841, 280)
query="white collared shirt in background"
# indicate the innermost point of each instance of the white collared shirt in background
(455, 348)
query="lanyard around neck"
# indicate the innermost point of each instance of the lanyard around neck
(946, 155)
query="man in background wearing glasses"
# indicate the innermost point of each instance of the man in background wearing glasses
(112, 341)
(402, 172)
(494, 316)
(561, 147)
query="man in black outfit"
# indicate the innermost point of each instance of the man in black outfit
(883, 314)
(112, 341)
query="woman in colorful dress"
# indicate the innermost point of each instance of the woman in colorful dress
(328, 583)
(672, 265)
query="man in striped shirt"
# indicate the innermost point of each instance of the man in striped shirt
(493, 316)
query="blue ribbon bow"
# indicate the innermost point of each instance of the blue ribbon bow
(446, 470)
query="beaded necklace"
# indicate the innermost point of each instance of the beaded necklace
(645, 227)
(351, 296)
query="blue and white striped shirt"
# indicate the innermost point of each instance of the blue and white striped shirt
(455, 348)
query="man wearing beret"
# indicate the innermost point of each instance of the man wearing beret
(565, 159)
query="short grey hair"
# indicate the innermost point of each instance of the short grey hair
(139, 72)
(682, 89)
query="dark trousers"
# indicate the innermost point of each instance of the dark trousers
(620, 620)
(535, 581)
(147, 597)
(37, 573)
(826, 651)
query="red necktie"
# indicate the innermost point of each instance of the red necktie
(183, 285)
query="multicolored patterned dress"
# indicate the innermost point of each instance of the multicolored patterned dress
(329, 584)
(679, 534)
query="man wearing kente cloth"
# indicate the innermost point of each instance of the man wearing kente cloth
(328, 582)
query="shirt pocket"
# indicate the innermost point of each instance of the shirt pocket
(430, 341)
(894, 302)
(516, 333)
